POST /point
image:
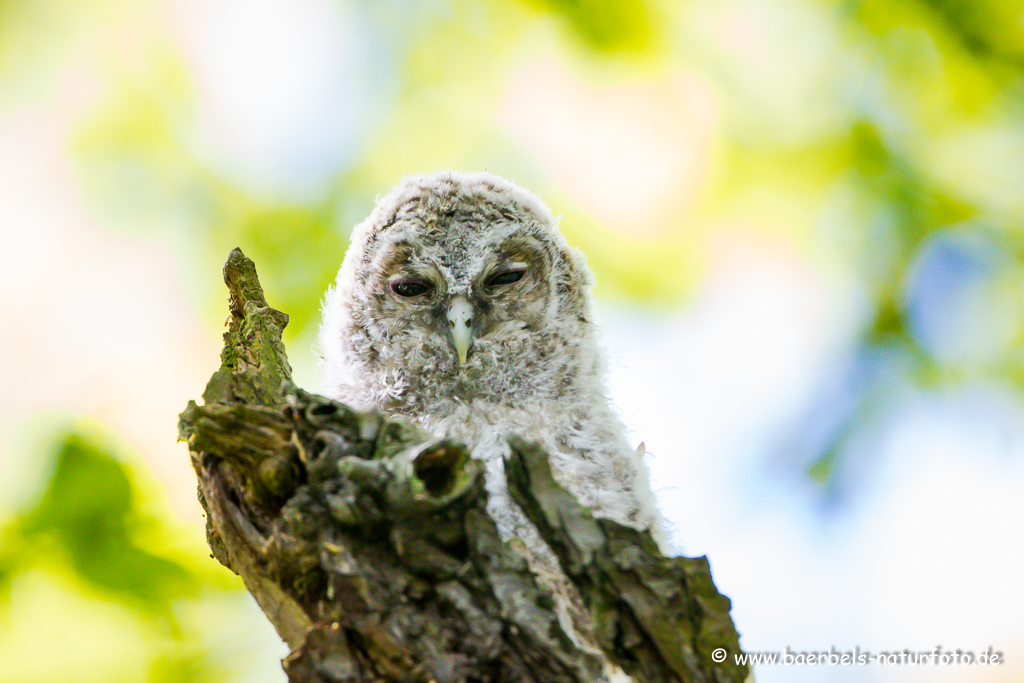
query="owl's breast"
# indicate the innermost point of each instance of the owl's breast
(484, 427)
(416, 374)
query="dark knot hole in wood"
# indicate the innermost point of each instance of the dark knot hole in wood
(438, 467)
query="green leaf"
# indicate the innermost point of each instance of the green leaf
(90, 509)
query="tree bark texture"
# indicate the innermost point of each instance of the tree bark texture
(367, 543)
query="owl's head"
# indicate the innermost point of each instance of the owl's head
(456, 287)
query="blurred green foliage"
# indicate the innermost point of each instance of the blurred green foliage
(88, 513)
(881, 140)
(94, 543)
(853, 130)
(610, 26)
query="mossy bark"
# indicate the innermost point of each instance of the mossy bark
(367, 543)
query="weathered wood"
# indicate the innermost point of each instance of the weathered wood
(367, 543)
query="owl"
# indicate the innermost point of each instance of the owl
(459, 306)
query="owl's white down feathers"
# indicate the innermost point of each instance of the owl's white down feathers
(534, 367)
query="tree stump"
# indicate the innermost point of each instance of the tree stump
(367, 543)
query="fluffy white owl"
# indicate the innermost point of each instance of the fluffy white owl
(459, 306)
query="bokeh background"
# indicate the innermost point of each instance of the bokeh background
(806, 221)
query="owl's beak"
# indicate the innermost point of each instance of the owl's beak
(460, 320)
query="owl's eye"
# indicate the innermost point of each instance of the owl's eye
(410, 288)
(506, 277)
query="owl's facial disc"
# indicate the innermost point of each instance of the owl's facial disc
(459, 292)
(460, 320)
